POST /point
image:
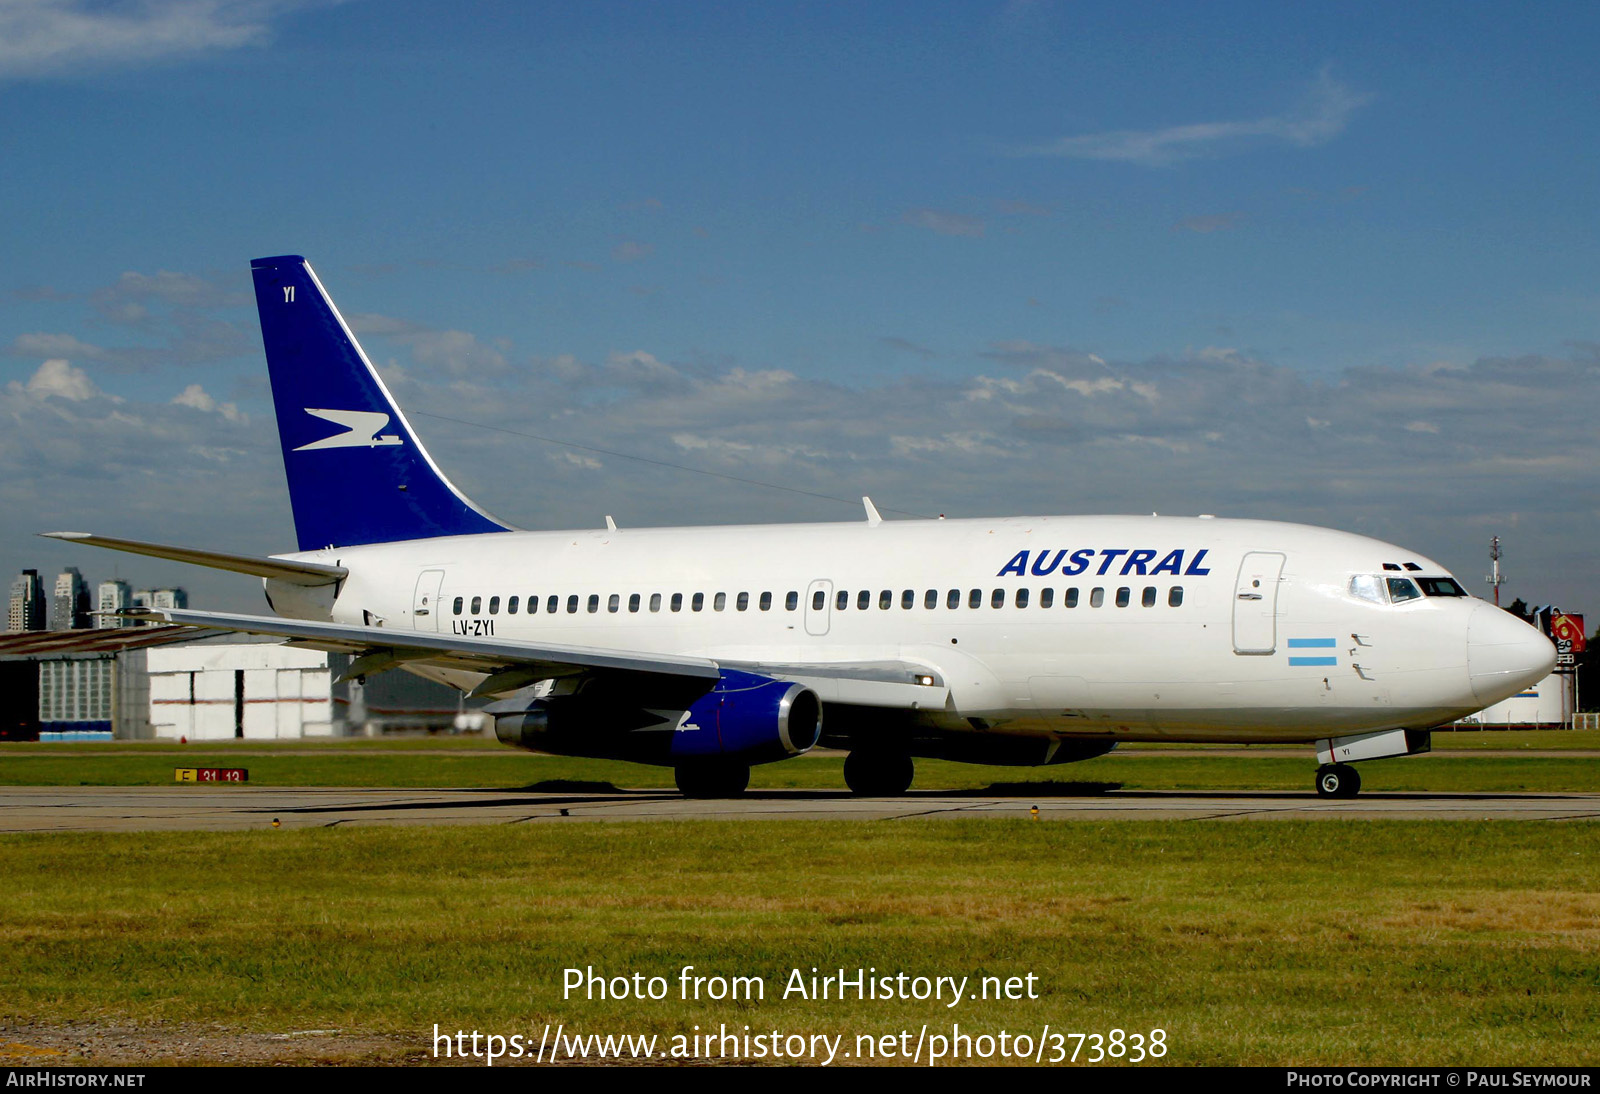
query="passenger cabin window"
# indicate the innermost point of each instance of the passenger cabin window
(1022, 598)
(863, 600)
(818, 599)
(1401, 588)
(930, 599)
(655, 602)
(511, 605)
(1124, 595)
(1047, 597)
(477, 605)
(953, 599)
(1440, 586)
(997, 599)
(572, 604)
(1071, 599)
(614, 603)
(494, 605)
(552, 604)
(842, 601)
(457, 605)
(792, 601)
(677, 602)
(975, 598)
(719, 602)
(886, 599)
(908, 599)
(743, 603)
(1175, 596)
(1097, 598)
(698, 603)
(594, 603)
(1149, 597)
(633, 602)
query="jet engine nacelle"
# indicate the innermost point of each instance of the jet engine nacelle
(751, 718)
(745, 717)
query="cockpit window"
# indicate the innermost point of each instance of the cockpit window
(1368, 587)
(1402, 588)
(1440, 586)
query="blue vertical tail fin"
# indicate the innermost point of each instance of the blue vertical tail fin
(357, 473)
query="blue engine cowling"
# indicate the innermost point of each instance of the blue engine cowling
(750, 718)
(745, 717)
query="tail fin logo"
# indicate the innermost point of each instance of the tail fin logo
(361, 430)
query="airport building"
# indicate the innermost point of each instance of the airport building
(177, 682)
(1545, 705)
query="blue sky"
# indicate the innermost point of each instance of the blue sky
(1330, 263)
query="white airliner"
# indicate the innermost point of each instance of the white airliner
(1017, 641)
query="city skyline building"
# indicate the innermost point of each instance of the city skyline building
(27, 611)
(113, 596)
(170, 598)
(69, 607)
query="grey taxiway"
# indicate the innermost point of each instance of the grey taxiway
(235, 808)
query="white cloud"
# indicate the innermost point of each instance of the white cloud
(1318, 118)
(196, 397)
(181, 320)
(43, 37)
(944, 222)
(60, 379)
(42, 344)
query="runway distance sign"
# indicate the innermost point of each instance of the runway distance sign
(211, 775)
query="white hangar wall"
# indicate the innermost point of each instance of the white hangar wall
(253, 690)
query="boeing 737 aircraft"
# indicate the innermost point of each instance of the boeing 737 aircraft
(1020, 641)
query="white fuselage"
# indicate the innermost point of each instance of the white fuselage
(1134, 628)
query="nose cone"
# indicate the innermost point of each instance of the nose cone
(1504, 654)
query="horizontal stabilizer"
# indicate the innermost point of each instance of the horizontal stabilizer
(295, 573)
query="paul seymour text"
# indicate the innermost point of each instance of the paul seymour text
(811, 984)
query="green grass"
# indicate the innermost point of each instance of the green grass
(1311, 943)
(462, 762)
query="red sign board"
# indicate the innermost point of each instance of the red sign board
(1567, 631)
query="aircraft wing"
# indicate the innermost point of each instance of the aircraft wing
(901, 685)
(510, 665)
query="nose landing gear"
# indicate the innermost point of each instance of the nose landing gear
(1337, 781)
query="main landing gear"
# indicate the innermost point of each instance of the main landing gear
(712, 780)
(878, 774)
(1337, 781)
